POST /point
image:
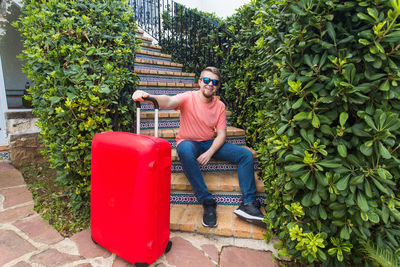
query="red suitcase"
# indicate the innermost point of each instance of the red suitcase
(130, 194)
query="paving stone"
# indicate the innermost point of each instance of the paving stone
(6, 166)
(10, 177)
(14, 214)
(22, 264)
(15, 196)
(192, 257)
(243, 257)
(120, 262)
(84, 265)
(38, 230)
(211, 251)
(52, 257)
(12, 246)
(87, 248)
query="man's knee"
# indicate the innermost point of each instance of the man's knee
(185, 149)
(246, 154)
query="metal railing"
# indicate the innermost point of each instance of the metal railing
(190, 38)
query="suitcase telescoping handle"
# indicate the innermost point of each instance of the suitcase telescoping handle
(155, 103)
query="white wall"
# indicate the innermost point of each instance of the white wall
(221, 8)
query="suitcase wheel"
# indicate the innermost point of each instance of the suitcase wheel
(141, 264)
(168, 248)
(93, 240)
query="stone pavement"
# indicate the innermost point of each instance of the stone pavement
(26, 240)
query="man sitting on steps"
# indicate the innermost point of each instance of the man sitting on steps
(200, 115)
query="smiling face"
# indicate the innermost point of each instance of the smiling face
(207, 90)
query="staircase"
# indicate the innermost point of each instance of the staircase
(158, 75)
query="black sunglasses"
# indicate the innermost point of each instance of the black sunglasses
(208, 80)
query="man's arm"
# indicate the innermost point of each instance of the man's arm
(164, 101)
(219, 140)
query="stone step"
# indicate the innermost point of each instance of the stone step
(217, 182)
(153, 56)
(145, 84)
(188, 218)
(175, 157)
(166, 122)
(139, 31)
(150, 48)
(166, 114)
(144, 39)
(158, 63)
(171, 133)
(165, 76)
(237, 140)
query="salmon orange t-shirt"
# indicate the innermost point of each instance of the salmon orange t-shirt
(199, 119)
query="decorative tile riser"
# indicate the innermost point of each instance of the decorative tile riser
(153, 58)
(146, 42)
(156, 68)
(233, 140)
(164, 124)
(5, 155)
(165, 79)
(211, 167)
(151, 50)
(221, 199)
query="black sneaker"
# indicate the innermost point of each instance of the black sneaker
(251, 213)
(210, 215)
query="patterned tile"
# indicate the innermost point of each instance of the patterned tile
(5, 155)
(222, 199)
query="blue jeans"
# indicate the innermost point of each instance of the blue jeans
(189, 151)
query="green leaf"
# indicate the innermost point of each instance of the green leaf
(307, 200)
(331, 31)
(322, 212)
(54, 99)
(315, 121)
(344, 233)
(342, 184)
(342, 150)
(329, 164)
(356, 180)
(369, 58)
(316, 199)
(384, 152)
(362, 202)
(373, 217)
(321, 179)
(294, 167)
(385, 86)
(343, 118)
(298, 103)
(365, 17)
(282, 129)
(380, 186)
(301, 116)
(366, 150)
(373, 13)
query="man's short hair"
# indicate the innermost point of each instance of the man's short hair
(212, 70)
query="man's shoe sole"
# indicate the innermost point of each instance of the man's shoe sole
(205, 225)
(249, 218)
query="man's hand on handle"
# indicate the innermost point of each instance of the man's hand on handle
(139, 96)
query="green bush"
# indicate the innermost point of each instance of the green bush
(77, 54)
(316, 87)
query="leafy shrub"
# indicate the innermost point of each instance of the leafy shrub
(77, 54)
(317, 89)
